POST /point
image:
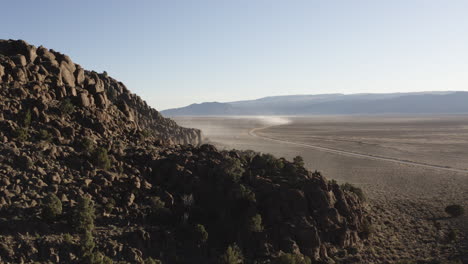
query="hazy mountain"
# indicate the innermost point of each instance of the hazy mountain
(398, 103)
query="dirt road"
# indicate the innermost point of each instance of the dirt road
(352, 154)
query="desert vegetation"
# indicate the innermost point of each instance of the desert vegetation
(52, 207)
(455, 210)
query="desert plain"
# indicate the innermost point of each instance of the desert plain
(409, 167)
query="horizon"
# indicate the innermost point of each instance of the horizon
(293, 95)
(179, 53)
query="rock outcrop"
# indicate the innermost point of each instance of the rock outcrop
(68, 136)
(39, 79)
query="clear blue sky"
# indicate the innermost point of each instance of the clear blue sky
(174, 53)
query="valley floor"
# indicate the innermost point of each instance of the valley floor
(409, 167)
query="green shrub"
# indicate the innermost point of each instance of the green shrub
(232, 255)
(145, 133)
(455, 210)
(356, 190)
(52, 207)
(106, 259)
(66, 107)
(200, 234)
(333, 182)
(101, 158)
(267, 165)
(291, 172)
(21, 134)
(68, 239)
(87, 243)
(298, 161)
(187, 200)
(84, 223)
(156, 203)
(244, 193)
(366, 229)
(120, 169)
(97, 258)
(109, 206)
(152, 261)
(25, 118)
(255, 223)
(232, 169)
(45, 135)
(86, 145)
(288, 258)
(452, 235)
(84, 215)
(352, 250)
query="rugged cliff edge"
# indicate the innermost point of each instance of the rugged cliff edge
(91, 174)
(40, 78)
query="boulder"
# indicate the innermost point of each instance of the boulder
(94, 84)
(20, 75)
(60, 92)
(31, 53)
(52, 68)
(54, 178)
(23, 162)
(98, 87)
(14, 47)
(19, 60)
(2, 72)
(101, 100)
(68, 132)
(309, 241)
(71, 90)
(79, 76)
(46, 54)
(66, 62)
(67, 76)
(130, 198)
(83, 99)
(134, 255)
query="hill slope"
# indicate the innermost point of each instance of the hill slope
(90, 174)
(40, 79)
(394, 103)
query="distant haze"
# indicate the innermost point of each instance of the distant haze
(392, 103)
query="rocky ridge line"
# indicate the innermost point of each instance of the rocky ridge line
(40, 78)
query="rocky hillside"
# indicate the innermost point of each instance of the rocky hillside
(90, 174)
(39, 80)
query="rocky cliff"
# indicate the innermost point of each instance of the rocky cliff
(90, 174)
(38, 79)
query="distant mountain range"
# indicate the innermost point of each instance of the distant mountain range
(327, 104)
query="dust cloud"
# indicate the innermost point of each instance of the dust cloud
(273, 120)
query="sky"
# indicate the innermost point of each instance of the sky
(177, 52)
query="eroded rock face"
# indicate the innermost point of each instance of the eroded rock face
(46, 76)
(75, 133)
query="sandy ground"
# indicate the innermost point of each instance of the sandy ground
(407, 200)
